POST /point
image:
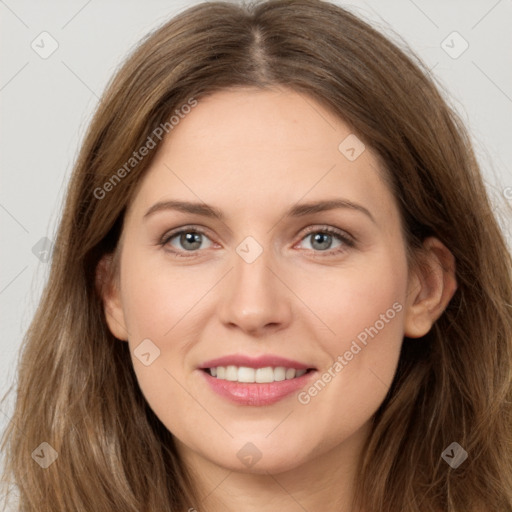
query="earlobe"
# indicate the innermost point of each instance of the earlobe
(110, 295)
(431, 287)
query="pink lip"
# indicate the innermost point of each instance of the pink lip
(256, 394)
(254, 362)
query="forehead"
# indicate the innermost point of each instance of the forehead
(250, 148)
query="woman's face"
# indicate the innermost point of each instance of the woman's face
(245, 281)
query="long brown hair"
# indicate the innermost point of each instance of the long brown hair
(77, 390)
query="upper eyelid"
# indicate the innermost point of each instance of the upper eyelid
(329, 229)
(177, 231)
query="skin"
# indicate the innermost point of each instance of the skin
(253, 154)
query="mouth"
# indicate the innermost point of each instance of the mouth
(256, 381)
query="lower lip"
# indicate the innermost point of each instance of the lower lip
(254, 393)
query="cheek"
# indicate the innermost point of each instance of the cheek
(363, 309)
(159, 305)
(350, 300)
(159, 299)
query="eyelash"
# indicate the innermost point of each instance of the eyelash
(348, 242)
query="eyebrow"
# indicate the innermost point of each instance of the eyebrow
(298, 210)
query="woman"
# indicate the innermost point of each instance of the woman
(339, 334)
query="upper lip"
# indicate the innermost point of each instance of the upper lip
(254, 362)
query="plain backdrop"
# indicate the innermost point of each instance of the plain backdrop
(46, 104)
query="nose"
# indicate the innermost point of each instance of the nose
(255, 298)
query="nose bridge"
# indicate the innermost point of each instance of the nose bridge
(254, 297)
(251, 267)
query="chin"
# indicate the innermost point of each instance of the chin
(259, 457)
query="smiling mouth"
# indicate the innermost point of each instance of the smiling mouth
(265, 375)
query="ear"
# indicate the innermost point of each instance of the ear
(108, 288)
(432, 284)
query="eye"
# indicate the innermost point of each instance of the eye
(321, 240)
(190, 240)
(186, 240)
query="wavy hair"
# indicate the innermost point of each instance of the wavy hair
(76, 387)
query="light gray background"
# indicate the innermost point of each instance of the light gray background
(47, 103)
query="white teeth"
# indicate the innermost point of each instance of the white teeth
(265, 374)
(231, 373)
(279, 373)
(259, 375)
(246, 374)
(290, 373)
